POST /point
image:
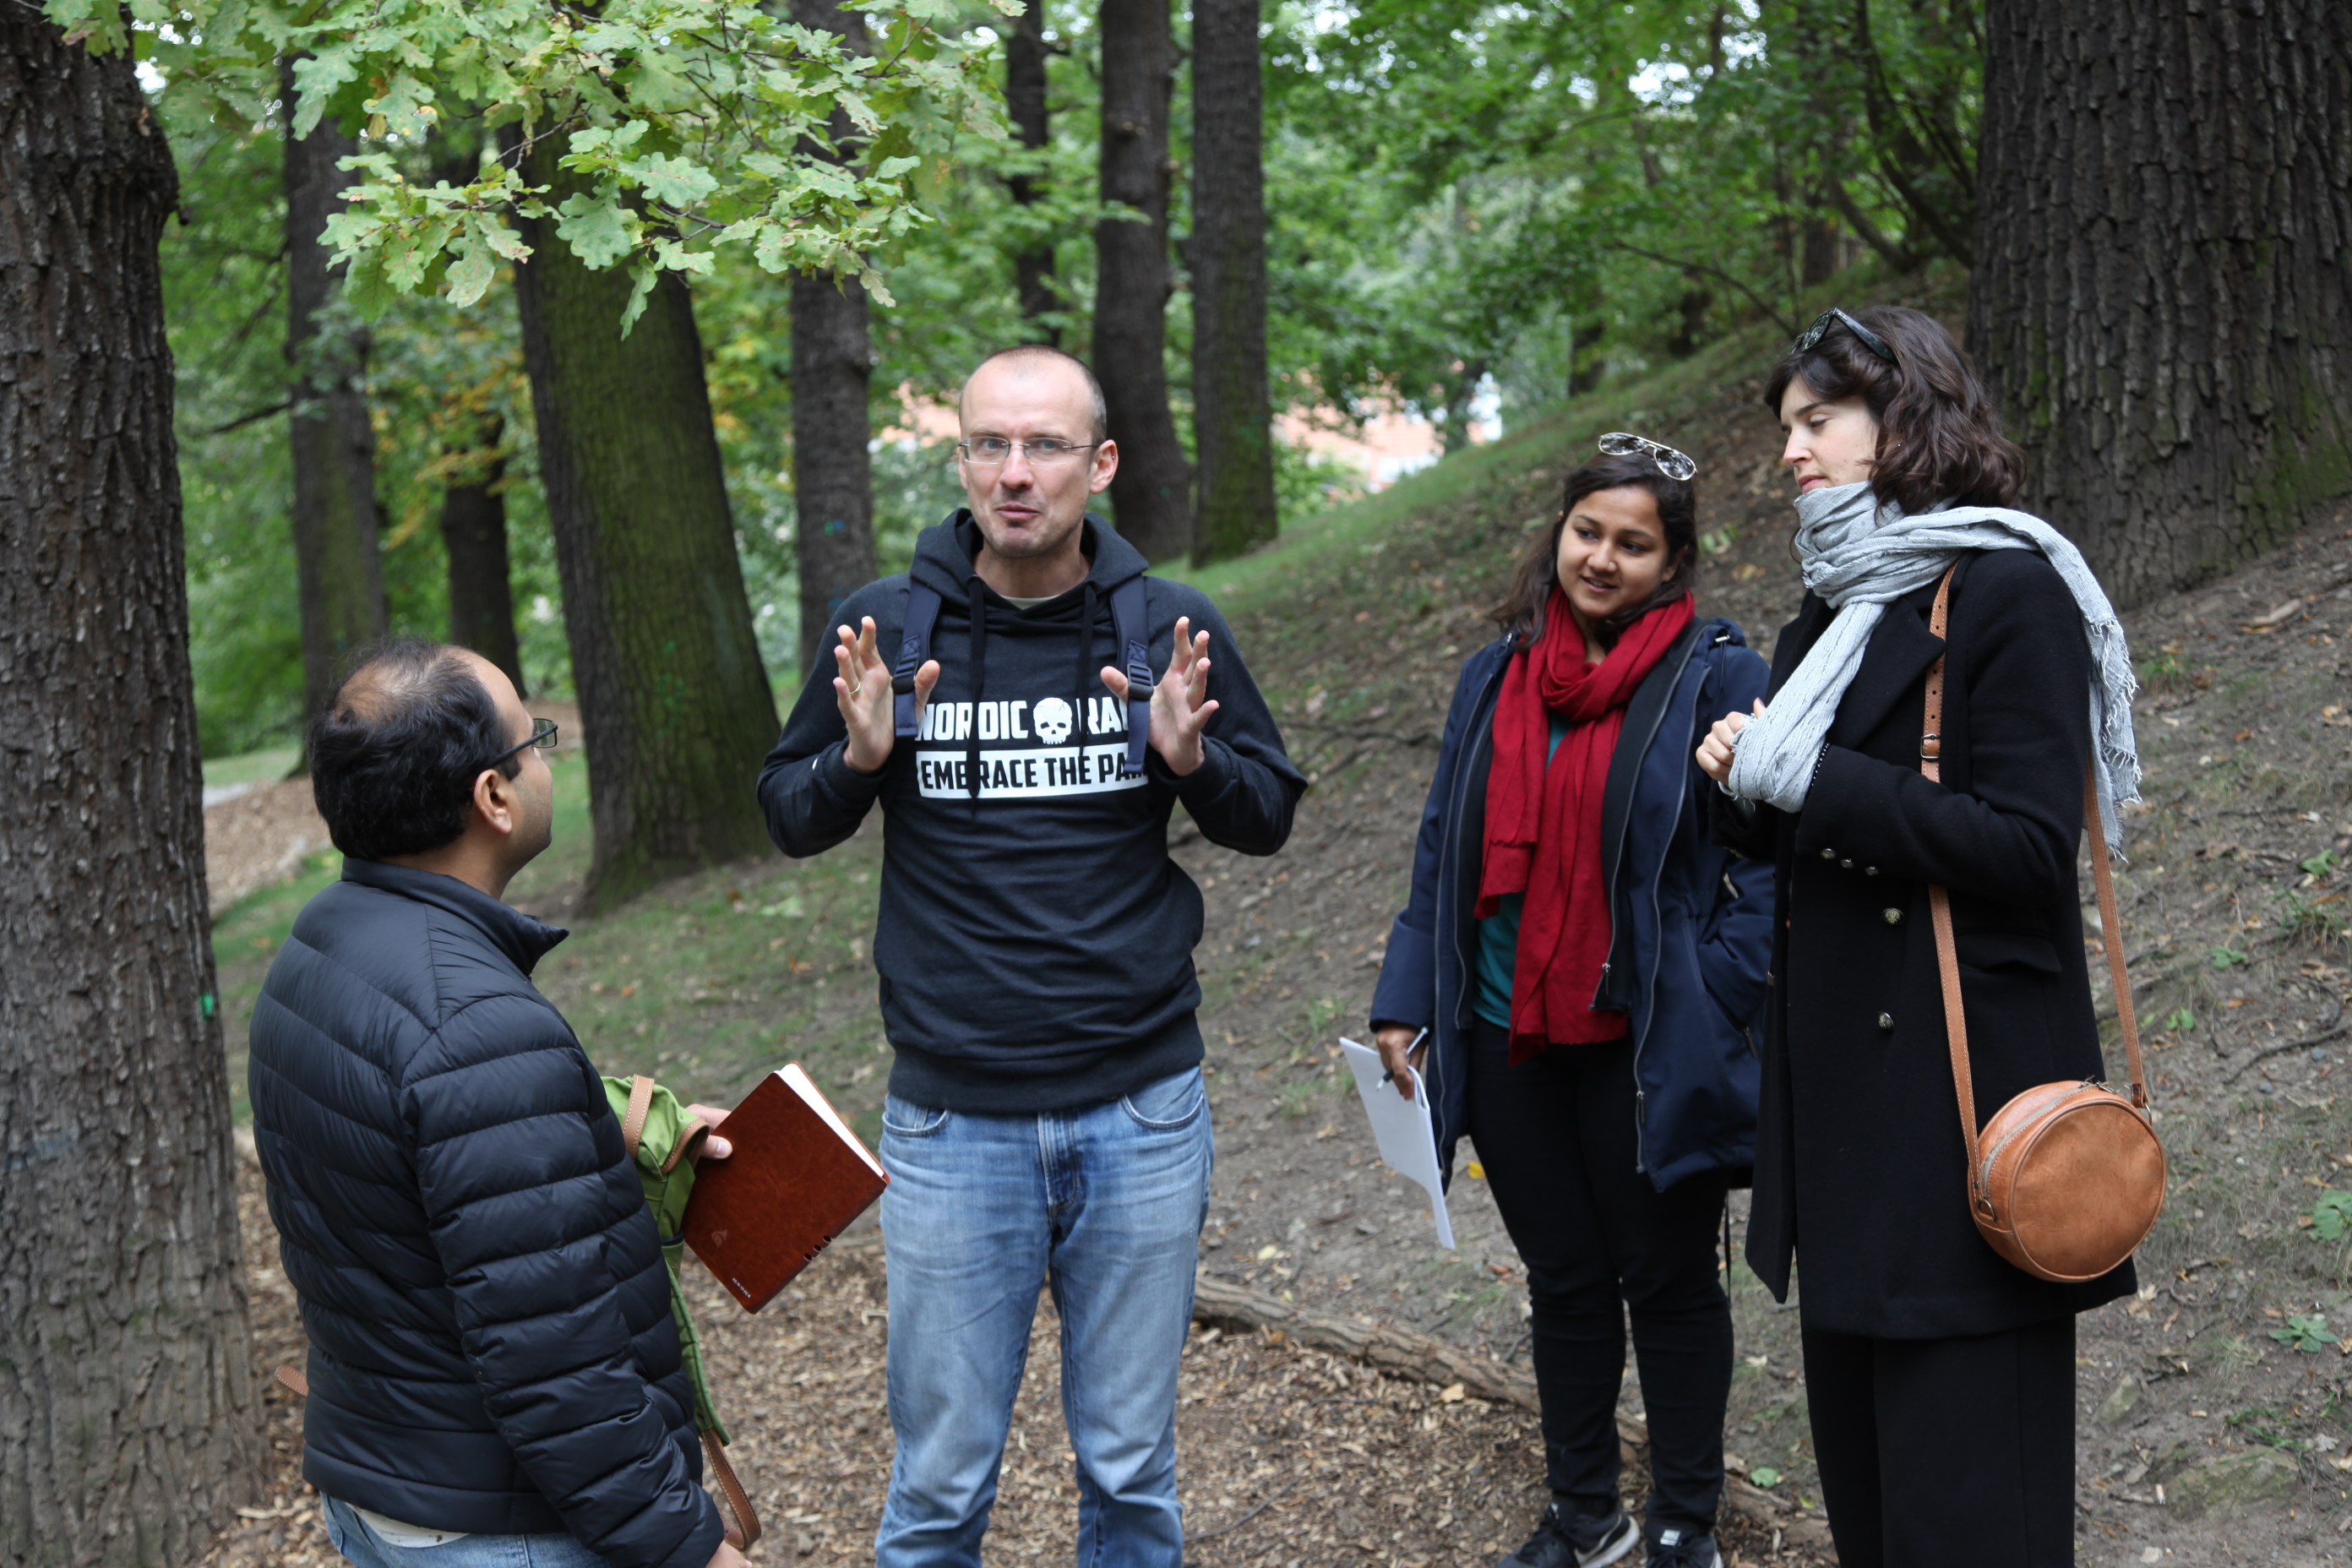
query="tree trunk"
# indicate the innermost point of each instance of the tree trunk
(1233, 408)
(128, 1422)
(2163, 289)
(832, 483)
(663, 655)
(832, 361)
(1025, 104)
(473, 539)
(1151, 496)
(336, 518)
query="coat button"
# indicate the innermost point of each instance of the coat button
(1870, 870)
(1828, 854)
(1887, 1022)
(1845, 865)
(1893, 917)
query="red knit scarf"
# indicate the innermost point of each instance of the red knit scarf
(1564, 925)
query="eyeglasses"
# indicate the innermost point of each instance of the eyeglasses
(990, 451)
(1673, 464)
(1831, 318)
(543, 736)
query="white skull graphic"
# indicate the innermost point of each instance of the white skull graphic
(1051, 718)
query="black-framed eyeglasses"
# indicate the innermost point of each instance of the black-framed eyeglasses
(1673, 464)
(990, 451)
(543, 736)
(1831, 318)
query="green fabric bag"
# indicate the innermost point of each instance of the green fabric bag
(663, 1143)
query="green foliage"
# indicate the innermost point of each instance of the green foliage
(698, 124)
(2179, 1021)
(2331, 1217)
(2226, 957)
(1765, 1476)
(2320, 865)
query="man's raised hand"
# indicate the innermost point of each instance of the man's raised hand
(1177, 709)
(862, 688)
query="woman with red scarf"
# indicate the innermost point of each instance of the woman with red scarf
(1577, 978)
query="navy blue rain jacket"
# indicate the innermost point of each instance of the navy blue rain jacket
(491, 1347)
(1693, 924)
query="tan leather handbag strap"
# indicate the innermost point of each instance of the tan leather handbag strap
(1940, 906)
(2111, 929)
(730, 1491)
(641, 1100)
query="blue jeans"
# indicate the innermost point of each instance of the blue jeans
(1106, 1204)
(360, 1545)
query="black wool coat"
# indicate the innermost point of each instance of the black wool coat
(491, 1345)
(1860, 1167)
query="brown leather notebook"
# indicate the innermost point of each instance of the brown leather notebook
(797, 1177)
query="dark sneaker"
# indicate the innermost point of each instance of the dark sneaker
(1586, 1540)
(1684, 1549)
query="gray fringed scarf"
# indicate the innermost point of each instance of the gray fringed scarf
(1858, 556)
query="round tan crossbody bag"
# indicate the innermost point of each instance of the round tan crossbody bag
(2067, 1180)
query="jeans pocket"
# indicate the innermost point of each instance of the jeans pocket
(1174, 1102)
(907, 1120)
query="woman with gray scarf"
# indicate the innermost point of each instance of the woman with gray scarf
(1940, 1378)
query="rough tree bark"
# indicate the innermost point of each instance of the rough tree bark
(1025, 104)
(1233, 405)
(336, 521)
(832, 361)
(474, 540)
(662, 654)
(2163, 289)
(1151, 496)
(128, 1422)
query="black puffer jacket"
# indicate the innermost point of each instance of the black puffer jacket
(491, 1347)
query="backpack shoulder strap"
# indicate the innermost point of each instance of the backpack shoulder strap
(1129, 615)
(914, 650)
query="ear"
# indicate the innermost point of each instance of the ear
(1105, 464)
(495, 800)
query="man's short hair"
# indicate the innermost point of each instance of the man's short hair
(394, 756)
(1047, 351)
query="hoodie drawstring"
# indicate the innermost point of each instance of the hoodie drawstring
(975, 599)
(1086, 665)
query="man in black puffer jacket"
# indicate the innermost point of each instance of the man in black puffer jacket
(491, 1350)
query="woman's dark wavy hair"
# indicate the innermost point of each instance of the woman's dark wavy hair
(1939, 435)
(1537, 572)
(394, 756)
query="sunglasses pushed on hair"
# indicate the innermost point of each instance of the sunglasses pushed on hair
(1673, 464)
(1834, 317)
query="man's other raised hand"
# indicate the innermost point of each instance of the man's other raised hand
(862, 688)
(1179, 711)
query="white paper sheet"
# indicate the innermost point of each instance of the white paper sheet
(1408, 1144)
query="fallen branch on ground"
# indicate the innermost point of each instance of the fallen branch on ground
(2283, 1048)
(1426, 1360)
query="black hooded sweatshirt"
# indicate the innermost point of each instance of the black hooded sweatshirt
(1035, 942)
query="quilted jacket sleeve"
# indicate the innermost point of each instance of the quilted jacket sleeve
(542, 1226)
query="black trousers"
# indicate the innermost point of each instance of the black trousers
(1936, 1452)
(1556, 1136)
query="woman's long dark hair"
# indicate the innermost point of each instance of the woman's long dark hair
(1537, 572)
(1939, 435)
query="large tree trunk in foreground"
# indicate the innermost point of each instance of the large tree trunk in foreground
(1024, 105)
(129, 1423)
(474, 540)
(663, 655)
(336, 519)
(1232, 410)
(832, 359)
(2163, 289)
(1152, 495)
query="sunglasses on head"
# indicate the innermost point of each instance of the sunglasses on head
(1832, 317)
(1673, 464)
